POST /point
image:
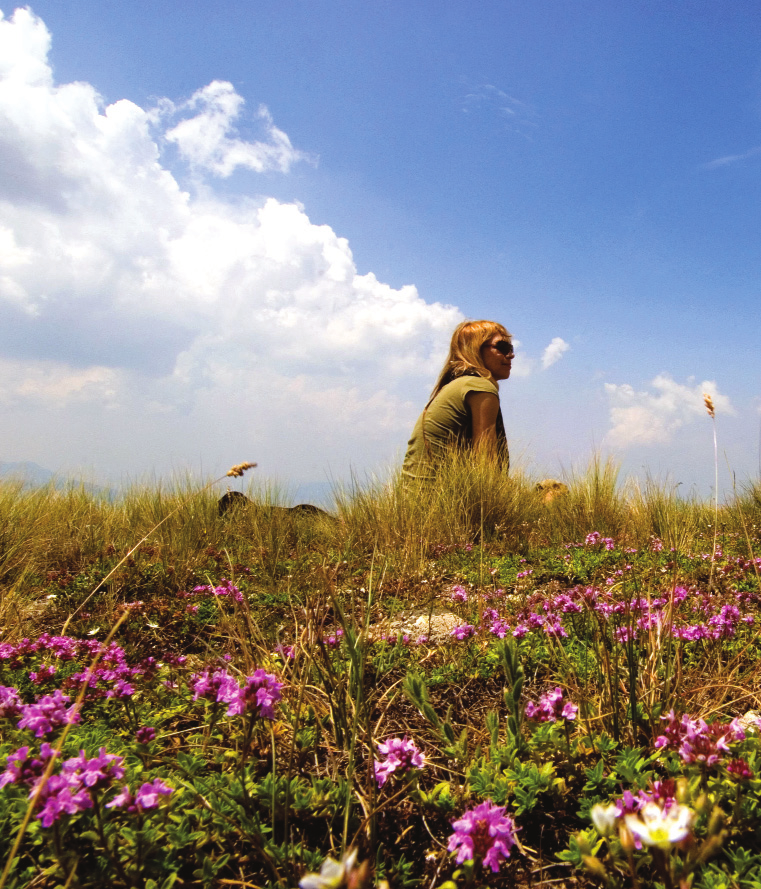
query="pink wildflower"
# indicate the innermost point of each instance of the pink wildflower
(484, 834)
(42, 673)
(10, 702)
(459, 594)
(47, 713)
(697, 741)
(464, 631)
(740, 769)
(260, 693)
(218, 686)
(400, 755)
(552, 707)
(96, 773)
(61, 797)
(148, 795)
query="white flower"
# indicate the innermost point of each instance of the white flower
(656, 827)
(604, 818)
(332, 873)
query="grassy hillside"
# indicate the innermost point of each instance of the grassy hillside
(421, 687)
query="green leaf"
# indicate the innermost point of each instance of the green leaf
(91, 835)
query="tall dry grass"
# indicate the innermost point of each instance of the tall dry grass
(594, 502)
(658, 509)
(470, 500)
(405, 526)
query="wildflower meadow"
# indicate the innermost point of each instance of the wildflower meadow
(469, 685)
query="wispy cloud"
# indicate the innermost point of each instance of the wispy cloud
(516, 115)
(731, 159)
(525, 366)
(209, 140)
(653, 417)
(554, 352)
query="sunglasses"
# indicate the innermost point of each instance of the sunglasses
(504, 348)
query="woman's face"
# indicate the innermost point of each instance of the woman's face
(496, 362)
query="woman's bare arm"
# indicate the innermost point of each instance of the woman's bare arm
(484, 409)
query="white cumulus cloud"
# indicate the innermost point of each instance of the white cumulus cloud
(654, 416)
(554, 352)
(50, 382)
(197, 323)
(208, 140)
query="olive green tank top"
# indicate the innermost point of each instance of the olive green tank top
(448, 423)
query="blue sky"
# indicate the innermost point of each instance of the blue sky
(269, 269)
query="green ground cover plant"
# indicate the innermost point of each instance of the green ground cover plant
(266, 699)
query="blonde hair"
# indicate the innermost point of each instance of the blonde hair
(465, 352)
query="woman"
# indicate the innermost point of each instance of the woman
(463, 410)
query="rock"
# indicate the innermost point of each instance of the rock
(435, 623)
(750, 720)
(234, 500)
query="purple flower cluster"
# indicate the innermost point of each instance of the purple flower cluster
(334, 639)
(64, 648)
(596, 538)
(672, 613)
(10, 702)
(459, 593)
(497, 626)
(96, 773)
(464, 631)
(111, 678)
(145, 734)
(42, 673)
(71, 789)
(219, 686)
(722, 625)
(740, 769)
(60, 797)
(697, 741)
(47, 713)
(400, 755)
(544, 614)
(259, 694)
(552, 707)
(225, 587)
(484, 834)
(147, 796)
(285, 652)
(22, 769)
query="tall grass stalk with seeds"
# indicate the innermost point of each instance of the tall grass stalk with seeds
(708, 401)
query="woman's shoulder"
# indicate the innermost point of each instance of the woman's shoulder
(470, 383)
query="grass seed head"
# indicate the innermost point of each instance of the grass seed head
(238, 470)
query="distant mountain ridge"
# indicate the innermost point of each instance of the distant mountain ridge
(26, 471)
(32, 475)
